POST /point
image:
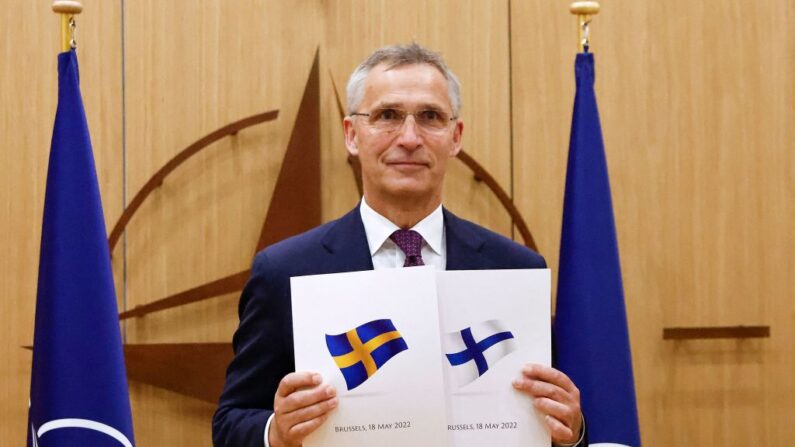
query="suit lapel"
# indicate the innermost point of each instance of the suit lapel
(463, 245)
(347, 242)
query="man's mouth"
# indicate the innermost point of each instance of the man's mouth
(407, 163)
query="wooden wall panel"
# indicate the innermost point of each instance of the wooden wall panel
(697, 109)
(28, 97)
(698, 132)
(190, 69)
(473, 38)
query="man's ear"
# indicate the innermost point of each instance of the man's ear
(457, 142)
(350, 136)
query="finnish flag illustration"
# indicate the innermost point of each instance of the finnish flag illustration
(473, 350)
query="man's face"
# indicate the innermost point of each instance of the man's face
(407, 162)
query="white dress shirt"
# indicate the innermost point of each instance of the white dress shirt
(386, 254)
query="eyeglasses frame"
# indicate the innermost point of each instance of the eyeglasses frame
(352, 114)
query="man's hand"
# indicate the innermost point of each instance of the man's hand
(301, 404)
(557, 397)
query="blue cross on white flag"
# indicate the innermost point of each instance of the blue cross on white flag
(473, 350)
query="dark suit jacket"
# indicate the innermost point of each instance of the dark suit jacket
(263, 343)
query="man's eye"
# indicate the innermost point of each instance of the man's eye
(430, 115)
(387, 115)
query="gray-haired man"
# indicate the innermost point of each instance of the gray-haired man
(404, 127)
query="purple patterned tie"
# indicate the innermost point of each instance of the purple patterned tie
(411, 243)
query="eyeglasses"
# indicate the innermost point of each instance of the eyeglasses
(389, 120)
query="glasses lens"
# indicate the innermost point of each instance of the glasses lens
(431, 119)
(387, 119)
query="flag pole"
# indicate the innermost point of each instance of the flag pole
(584, 11)
(68, 9)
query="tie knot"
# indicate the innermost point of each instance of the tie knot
(411, 243)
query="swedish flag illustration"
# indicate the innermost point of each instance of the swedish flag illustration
(361, 351)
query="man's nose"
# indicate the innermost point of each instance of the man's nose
(409, 137)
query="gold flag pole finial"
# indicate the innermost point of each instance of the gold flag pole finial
(584, 11)
(68, 9)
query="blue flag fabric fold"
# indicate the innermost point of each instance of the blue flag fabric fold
(591, 335)
(78, 393)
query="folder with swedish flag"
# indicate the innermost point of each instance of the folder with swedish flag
(374, 337)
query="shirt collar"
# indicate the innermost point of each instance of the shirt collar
(378, 228)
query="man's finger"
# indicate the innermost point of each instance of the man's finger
(310, 412)
(304, 398)
(297, 380)
(564, 413)
(537, 388)
(558, 431)
(550, 375)
(303, 429)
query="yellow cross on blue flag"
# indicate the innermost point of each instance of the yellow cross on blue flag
(360, 352)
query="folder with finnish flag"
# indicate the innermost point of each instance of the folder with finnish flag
(423, 357)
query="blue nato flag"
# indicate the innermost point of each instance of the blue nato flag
(591, 335)
(78, 391)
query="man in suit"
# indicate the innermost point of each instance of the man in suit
(404, 127)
